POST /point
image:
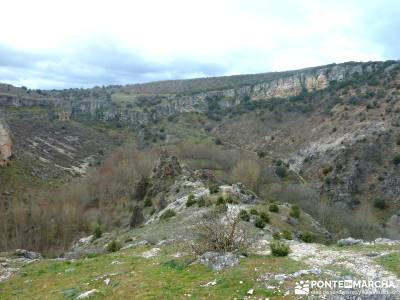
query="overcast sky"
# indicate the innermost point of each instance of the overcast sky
(68, 43)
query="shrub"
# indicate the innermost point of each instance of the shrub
(273, 208)
(175, 264)
(214, 189)
(261, 154)
(191, 200)
(218, 141)
(253, 211)
(141, 188)
(265, 217)
(217, 234)
(259, 223)
(327, 170)
(244, 215)
(221, 201)
(396, 160)
(113, 246)
(295, 212)
(279, 249)
(97, 232)
(287, 235)
(169, 213)
(276, 236)
(307, 237)
(230, 200)
(201, 202)
(281, 171)
(380, 203)
(148, 202)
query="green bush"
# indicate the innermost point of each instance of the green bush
(97, 232)
(253, 211)
(201, 202)
(113, 246)
(380, 203)
(261, 154)
(396, 160)
(148, 202)
(221, 201)
(281, 171)
(191, 200)
(244, 215)
(175, 264)
(307, 237)
(279, 249)
(287, 235)
(169, 213)
(214, 189)
(259, 223)
(230, 200)
(274, 208)
(265, 217)
(141, 188)
(294, 212)
(276, 236)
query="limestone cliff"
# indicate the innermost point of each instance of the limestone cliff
(128, 105)
(5, 144)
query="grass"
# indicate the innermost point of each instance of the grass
(391, 262)
(160, 277)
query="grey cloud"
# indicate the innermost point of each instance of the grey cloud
(95, 64)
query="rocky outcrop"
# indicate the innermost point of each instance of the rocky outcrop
(5, 144)
(218, 261)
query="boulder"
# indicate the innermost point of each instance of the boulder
(27, 254)
(218, 261)
(349, 242)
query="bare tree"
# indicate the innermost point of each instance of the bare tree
(220, 234)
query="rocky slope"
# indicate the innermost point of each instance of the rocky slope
(332, 131)
(158, 251)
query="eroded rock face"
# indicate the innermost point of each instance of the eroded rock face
(5, 144)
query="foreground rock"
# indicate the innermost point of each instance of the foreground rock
(218, 261)
(27, 254)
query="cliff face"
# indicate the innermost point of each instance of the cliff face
(134, 108)
(5, 144)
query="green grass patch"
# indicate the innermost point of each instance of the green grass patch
(160, 277)
(391, 262)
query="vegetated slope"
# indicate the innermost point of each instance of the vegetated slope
(326, 138)
(343, 141)
(161, 249)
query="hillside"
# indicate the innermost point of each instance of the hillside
(305, 157)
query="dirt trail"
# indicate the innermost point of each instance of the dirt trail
(362, 265)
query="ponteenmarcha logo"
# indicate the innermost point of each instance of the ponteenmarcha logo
(302, 288)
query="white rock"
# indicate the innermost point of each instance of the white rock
(250, 292)
(211, 283)
(151, 253)
(87, 294)
(107, 281)
(280, 277)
